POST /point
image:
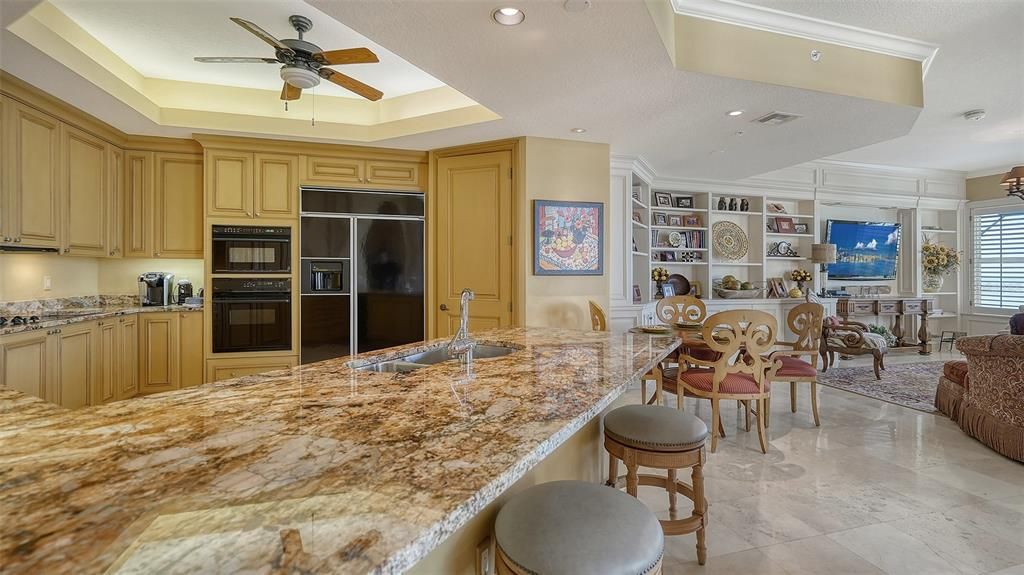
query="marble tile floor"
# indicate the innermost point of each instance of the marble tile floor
(878, 488)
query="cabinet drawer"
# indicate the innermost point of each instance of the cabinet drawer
(862, 307)
(401, 175)
(913, 306)
(327, 170)
(888, 307)
(221, 369)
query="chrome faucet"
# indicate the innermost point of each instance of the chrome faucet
(462, 345)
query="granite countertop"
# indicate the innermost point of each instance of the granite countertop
(75, 315)
(319, 469)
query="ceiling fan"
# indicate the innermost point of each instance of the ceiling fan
(304, 62)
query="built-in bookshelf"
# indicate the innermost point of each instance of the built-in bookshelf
(942, 226)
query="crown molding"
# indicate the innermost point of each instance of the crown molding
(790, 24)
(989, 171)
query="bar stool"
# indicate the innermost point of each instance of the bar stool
(577, 528)
(663, 438)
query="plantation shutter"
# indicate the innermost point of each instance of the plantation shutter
(998, 262)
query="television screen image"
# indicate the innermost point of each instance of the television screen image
(864, 250)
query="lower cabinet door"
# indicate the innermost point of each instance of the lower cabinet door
(158, 352)
(191, 336)
(128, 355)
(27, 363)
(108, 356)
(221, 369)
(77, 365)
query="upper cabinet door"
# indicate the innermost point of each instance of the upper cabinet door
(229, 181)
(85, 193)
(396, 175)
(276, 186)
(32, 167)
(115, 202)
(178, 213)
(321, 170)
(138, 204)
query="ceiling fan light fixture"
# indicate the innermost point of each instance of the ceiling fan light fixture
(508, 16)
(1013, 181)
(300, 77)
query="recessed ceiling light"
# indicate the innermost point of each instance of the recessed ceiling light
(508, 16)
(578, 130)
(735, 113)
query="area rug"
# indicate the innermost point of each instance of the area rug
(909, 384)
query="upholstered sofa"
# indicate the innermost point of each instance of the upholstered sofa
(987, 400)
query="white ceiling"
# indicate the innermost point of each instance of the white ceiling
(980, 64)
(160, 38)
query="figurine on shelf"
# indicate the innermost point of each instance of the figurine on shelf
(744, 205)
(733, 206)
(721, 204)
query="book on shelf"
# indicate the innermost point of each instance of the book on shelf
(693, 239)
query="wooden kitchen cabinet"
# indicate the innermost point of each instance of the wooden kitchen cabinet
(331, 171)
(251, 185)
(115, 202)
(396, 175)
(84, 192)
(178, 206)
(27, 363)
(276, 186)
(108, 355)
(128, 366)
(373, 174)
(159, 368)
(77, 364)
(190, 333)
(138, 203)
(229, 368)
(31, 165)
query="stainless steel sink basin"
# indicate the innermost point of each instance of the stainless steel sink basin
(431, 357)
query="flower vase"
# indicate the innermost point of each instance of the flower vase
(659, 294)
(932, 282)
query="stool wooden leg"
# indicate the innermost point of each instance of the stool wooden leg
(631, 476)
(613, 471)
(792, 396)
(716, 423)
(700, 508)
(814, 403)
(643, 390)
(671, 488)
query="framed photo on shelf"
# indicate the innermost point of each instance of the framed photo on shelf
(785, 225)
(801, 228)
(660, 219)
(663, 199)
(668, 290)
(637, 296)
(675, 220)
(691, 221)
(684, 201)
(668, 256)
(770, 226)
(695, 289)
(636, 218)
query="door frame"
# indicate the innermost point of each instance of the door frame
(513, 145)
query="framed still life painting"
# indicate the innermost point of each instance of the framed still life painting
(568, 238)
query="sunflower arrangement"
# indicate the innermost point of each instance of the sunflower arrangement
(800, 276)
(659, 274)
(939, 259)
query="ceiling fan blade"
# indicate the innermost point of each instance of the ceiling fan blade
(232, 60)
(348, 56)
(289, 92)
(351, 84)
(264, 35)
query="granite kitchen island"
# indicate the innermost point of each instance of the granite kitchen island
(322, 468)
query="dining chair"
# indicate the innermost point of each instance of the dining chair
(598, 320)
(671, 310)
(805, 322)
(740, 339)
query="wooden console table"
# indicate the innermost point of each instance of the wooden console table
(897, 308)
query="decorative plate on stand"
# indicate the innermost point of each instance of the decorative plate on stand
(730, 240)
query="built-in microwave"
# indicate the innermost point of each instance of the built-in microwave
(251, 314)
(252, 249)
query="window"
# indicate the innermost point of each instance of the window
(998, 259)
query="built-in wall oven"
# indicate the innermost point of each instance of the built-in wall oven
(252, 249)
(251, 314)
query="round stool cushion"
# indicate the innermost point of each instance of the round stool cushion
(578, 528)
(655, 428)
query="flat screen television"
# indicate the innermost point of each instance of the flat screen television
(864, 250)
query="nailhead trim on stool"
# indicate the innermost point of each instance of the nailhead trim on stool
(641, 435)
(577, 528)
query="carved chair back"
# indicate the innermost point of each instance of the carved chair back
(597, 317)
(744, 334)
(680, 308)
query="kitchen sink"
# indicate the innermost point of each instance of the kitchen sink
(431, 357)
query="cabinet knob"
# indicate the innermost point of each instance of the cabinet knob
(258, 214)
(157, 254)
(7, 239)
(444, 307)
(66, 250)
(17, 240)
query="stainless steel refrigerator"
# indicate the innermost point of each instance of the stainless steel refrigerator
(362, 271)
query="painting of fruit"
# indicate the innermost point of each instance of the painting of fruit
(568, 238)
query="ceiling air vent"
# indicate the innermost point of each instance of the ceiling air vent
(776, 118)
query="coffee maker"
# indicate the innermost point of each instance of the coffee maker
(155, 288)
(184, 291)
